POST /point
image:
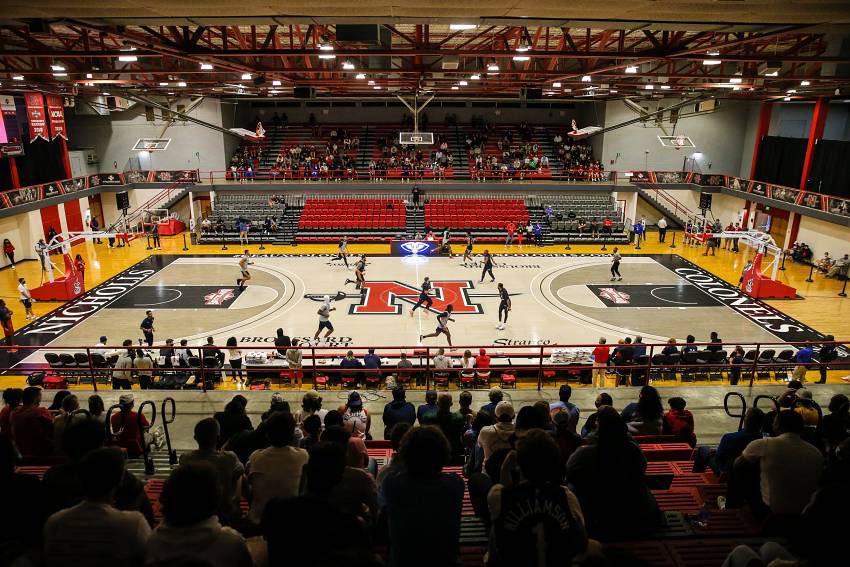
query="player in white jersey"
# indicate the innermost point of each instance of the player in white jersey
(442, 325)
(244, 262)
(342, 251)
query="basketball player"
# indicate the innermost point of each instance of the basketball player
(342, 253)
(424, 296)
(324, 313)
(504, 306)
(615, 265)
(488, 267)
(442, 325)
(467, 252)
(359, 273)
(244, 262)
(445, 246)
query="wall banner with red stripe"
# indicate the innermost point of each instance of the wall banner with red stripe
(56, 111)
(36, 116)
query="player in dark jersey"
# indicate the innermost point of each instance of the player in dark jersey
(359, 273)
(488, 267)
(424, 297)
(504, 306)
(467, 253)
(442, 325)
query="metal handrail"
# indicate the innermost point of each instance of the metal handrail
(166, 421)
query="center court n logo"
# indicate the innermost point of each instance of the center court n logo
(388, 297)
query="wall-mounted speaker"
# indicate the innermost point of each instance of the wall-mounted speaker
(122, 201)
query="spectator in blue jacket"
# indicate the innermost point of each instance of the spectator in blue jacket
(398, 411)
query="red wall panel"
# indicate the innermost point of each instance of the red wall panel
(73, 216)
(50, 217)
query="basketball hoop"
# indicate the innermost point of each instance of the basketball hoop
(676, 142)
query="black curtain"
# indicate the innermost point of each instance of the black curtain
(830, 171)
(41, 162)
(780, 160)
(5, 175)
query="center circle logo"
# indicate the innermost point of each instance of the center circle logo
(414, 247)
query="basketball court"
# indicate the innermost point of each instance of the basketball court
(556, 299)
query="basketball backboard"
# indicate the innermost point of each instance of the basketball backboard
(419, 138)
(151, 144)
(677, 142)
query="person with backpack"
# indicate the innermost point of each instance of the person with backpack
(536, 521)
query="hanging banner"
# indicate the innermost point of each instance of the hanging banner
(35, 114)
(56, 111)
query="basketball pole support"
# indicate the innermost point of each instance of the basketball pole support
(673, 244)
(782, 264)
(568, 243)
(843, 292)
(185, 248)
(811, 270)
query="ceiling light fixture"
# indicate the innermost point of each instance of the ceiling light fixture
(348, 65)
(709, 62)
(631, 70)
(475, 77)
(206, 66)
(60, 74)
(163, 84)
(735, 80)
(57, 67)
(246, 76)
(327, 56)
(493, 67)
(556, 85)
(773, 74)
(360, 76)
(377, 87)
(462, 83)
(805, 83)
(787, 98)
(325, 45)
(181, 84)
(521, 58)
(586, 79)
(713, 53)
(275, 83)
(461, 27)
(105, 94)
(370, 83)
(665, 87)
(649, 87)
(523, 46)
(128, 58)
(89, 76)
(455, 87)
(17, 77)
(568, 90)
(791, 91)
(614, 91)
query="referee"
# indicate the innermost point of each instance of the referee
(504, 306)
(147, 328)
(424, 296)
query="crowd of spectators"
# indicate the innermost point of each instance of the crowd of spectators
(311, 466)
(576, 158)
(411, 161)
(516, 155)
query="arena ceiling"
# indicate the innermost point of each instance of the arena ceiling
(254, 49)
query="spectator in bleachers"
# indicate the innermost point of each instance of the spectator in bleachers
(500, 435)
(609, 478)
(355, 417)
(190, 530)
(70, 404)
(451, 423)
(565, 436)
(275, 470)
(356, 455)
(312, 430)
(564, 405)
(63, 483)
(423, 503)
(679, 421)
(94, 532)
(589, 428)
(351, 489)
(11, 401)
(233, 419)
(429, 407)
(836, 424)
(644, 417)
(399, 410)
(732, 444)
(540, 495)
(228, 469)
(789, 467)
(127, 422)
(311, 404)
(32, 425)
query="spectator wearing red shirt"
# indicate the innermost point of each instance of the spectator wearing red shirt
(511, 229)
(126, 422)
(32, 425)
(679, 422)
(11, 402)
(600, 362)
(607, 225)
(482, 364)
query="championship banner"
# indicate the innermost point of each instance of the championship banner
(56, 110)
(35, 114)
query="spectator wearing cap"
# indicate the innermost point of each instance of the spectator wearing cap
(789, 467)
(356, 455)
(233, 419)
(311, 404)
(275, 470)
(423, 503)
(564, 405)
(94, 532)
(430, 406)
(123, 371)
(495, 396)
(32, 425)
(228, 469)
(399, 410)
(355, 417)
(679, 421)
(498, 436)
(190, 532)
(451, 423)
(127, 422)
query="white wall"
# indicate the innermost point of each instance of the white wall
(192, 146)
(822, 236)
(749, 143)
(719, 137)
